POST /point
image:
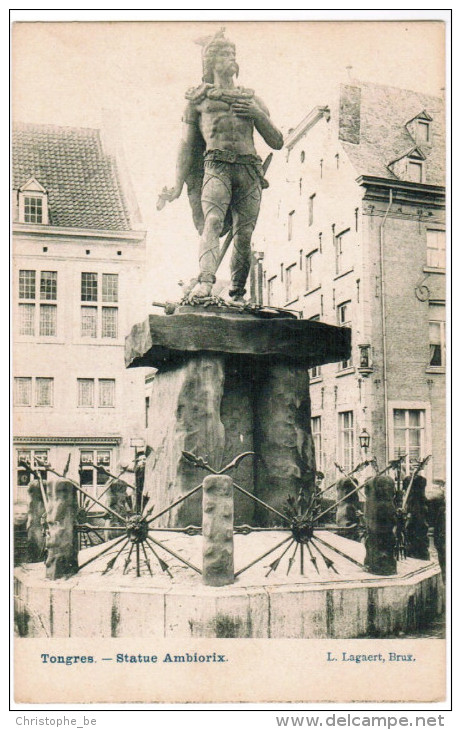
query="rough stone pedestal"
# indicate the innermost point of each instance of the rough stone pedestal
(347, 512)
(417, 538)
(217, 529)
(380, 520)
(184, 415)
(230, 382)
(62, 538)
(283, 439)
(35, 523)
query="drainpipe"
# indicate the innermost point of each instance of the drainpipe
(383, 323)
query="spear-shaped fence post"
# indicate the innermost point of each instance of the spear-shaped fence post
(217, 528)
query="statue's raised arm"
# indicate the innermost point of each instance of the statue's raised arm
(217, 161)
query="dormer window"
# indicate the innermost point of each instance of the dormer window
(420, 128)
(33, 203)
(33, 209)
(410, 166)
(415, 171)
(423, 131)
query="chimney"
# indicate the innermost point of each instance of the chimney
(349, 113)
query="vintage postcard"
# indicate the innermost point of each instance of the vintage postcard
(229, 328)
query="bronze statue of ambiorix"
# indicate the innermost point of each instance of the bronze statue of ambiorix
(218, 162)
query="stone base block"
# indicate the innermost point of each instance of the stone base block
(217, 407)
(352, 604)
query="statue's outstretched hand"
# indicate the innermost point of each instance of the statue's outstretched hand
(168, 194)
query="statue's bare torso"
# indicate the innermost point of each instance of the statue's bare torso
(223, 130)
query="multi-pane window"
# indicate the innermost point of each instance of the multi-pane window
(271, 290)
(86, 388)
(43, 391)
(437, 335)
(106, 393)
(23, 475)
(344, 320)
(26, 311)
(316, 428)
(85, 392)
(89, 287)
(97, 320)
(23, 391)
(311, 270)
(346, 440)
(89, 321)
(26, 284)
(437, 343)
(91, 479)
(27, 319)
(342, 244)
(110, 287)
(409, 435)
(436, 248)
(109, 322)
(48, 320)
(48, 291)
(49, 285)
(33, 209)
(415, 171)
(289, 283)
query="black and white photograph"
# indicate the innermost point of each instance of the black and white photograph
(229, 347)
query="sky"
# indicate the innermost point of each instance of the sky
(67, 73)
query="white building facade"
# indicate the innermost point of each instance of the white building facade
(78, 282)
(356, 238)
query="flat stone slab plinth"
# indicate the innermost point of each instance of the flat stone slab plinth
(350, 604)
(163, 339)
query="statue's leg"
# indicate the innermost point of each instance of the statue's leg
(245, 210)
(216, 196)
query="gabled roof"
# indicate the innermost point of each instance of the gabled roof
(414, 153)
(385, 112)
(70, 164)
(32, 185)
(317, 113)
(424, 116)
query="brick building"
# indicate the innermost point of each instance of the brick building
(356, 237)
(78, 256)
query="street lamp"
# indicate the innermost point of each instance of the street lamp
(364, 439)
